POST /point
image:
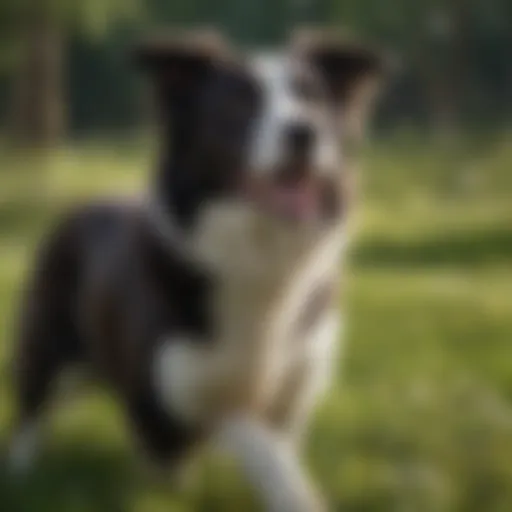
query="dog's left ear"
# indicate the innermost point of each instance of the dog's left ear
(178, 63)
(353, 72)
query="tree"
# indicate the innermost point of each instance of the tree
(42, 28)
(439, 42)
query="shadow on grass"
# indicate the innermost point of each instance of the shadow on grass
(75, 480)
(492, 246)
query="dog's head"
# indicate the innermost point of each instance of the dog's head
(266, 129)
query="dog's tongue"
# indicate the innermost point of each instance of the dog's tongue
(298, 202)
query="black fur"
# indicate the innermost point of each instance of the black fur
(106, 292)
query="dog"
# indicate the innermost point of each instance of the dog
(209, 305)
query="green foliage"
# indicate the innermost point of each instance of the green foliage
(455, 54)
(420, 416)
(94, 18)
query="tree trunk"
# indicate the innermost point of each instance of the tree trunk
(38, 103)
(446, 67)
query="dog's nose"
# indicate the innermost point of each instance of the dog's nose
(300, 138)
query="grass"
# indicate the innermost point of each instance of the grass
(420, 417)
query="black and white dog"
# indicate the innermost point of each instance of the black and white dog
(210, 308)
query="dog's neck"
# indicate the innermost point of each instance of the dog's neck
(232, 238)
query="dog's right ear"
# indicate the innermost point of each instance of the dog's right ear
(353, 72)
(178, 62)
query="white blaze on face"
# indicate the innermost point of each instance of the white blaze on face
(282, 107)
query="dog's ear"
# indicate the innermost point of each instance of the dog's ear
(352, 71)
(178, 62)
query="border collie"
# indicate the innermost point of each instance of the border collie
(209, 307)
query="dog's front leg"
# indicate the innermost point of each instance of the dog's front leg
(268, 463)
(307, 380)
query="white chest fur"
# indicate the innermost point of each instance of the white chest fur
(265, 272)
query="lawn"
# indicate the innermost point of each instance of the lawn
(420, 417)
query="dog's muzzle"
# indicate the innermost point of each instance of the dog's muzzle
(297, 195)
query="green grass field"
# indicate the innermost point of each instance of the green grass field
(420, 418)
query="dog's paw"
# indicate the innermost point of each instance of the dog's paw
(314, 503)
(310, 502)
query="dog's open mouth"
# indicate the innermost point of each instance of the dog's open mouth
(300, 198)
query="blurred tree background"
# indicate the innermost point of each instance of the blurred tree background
(64, 69)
